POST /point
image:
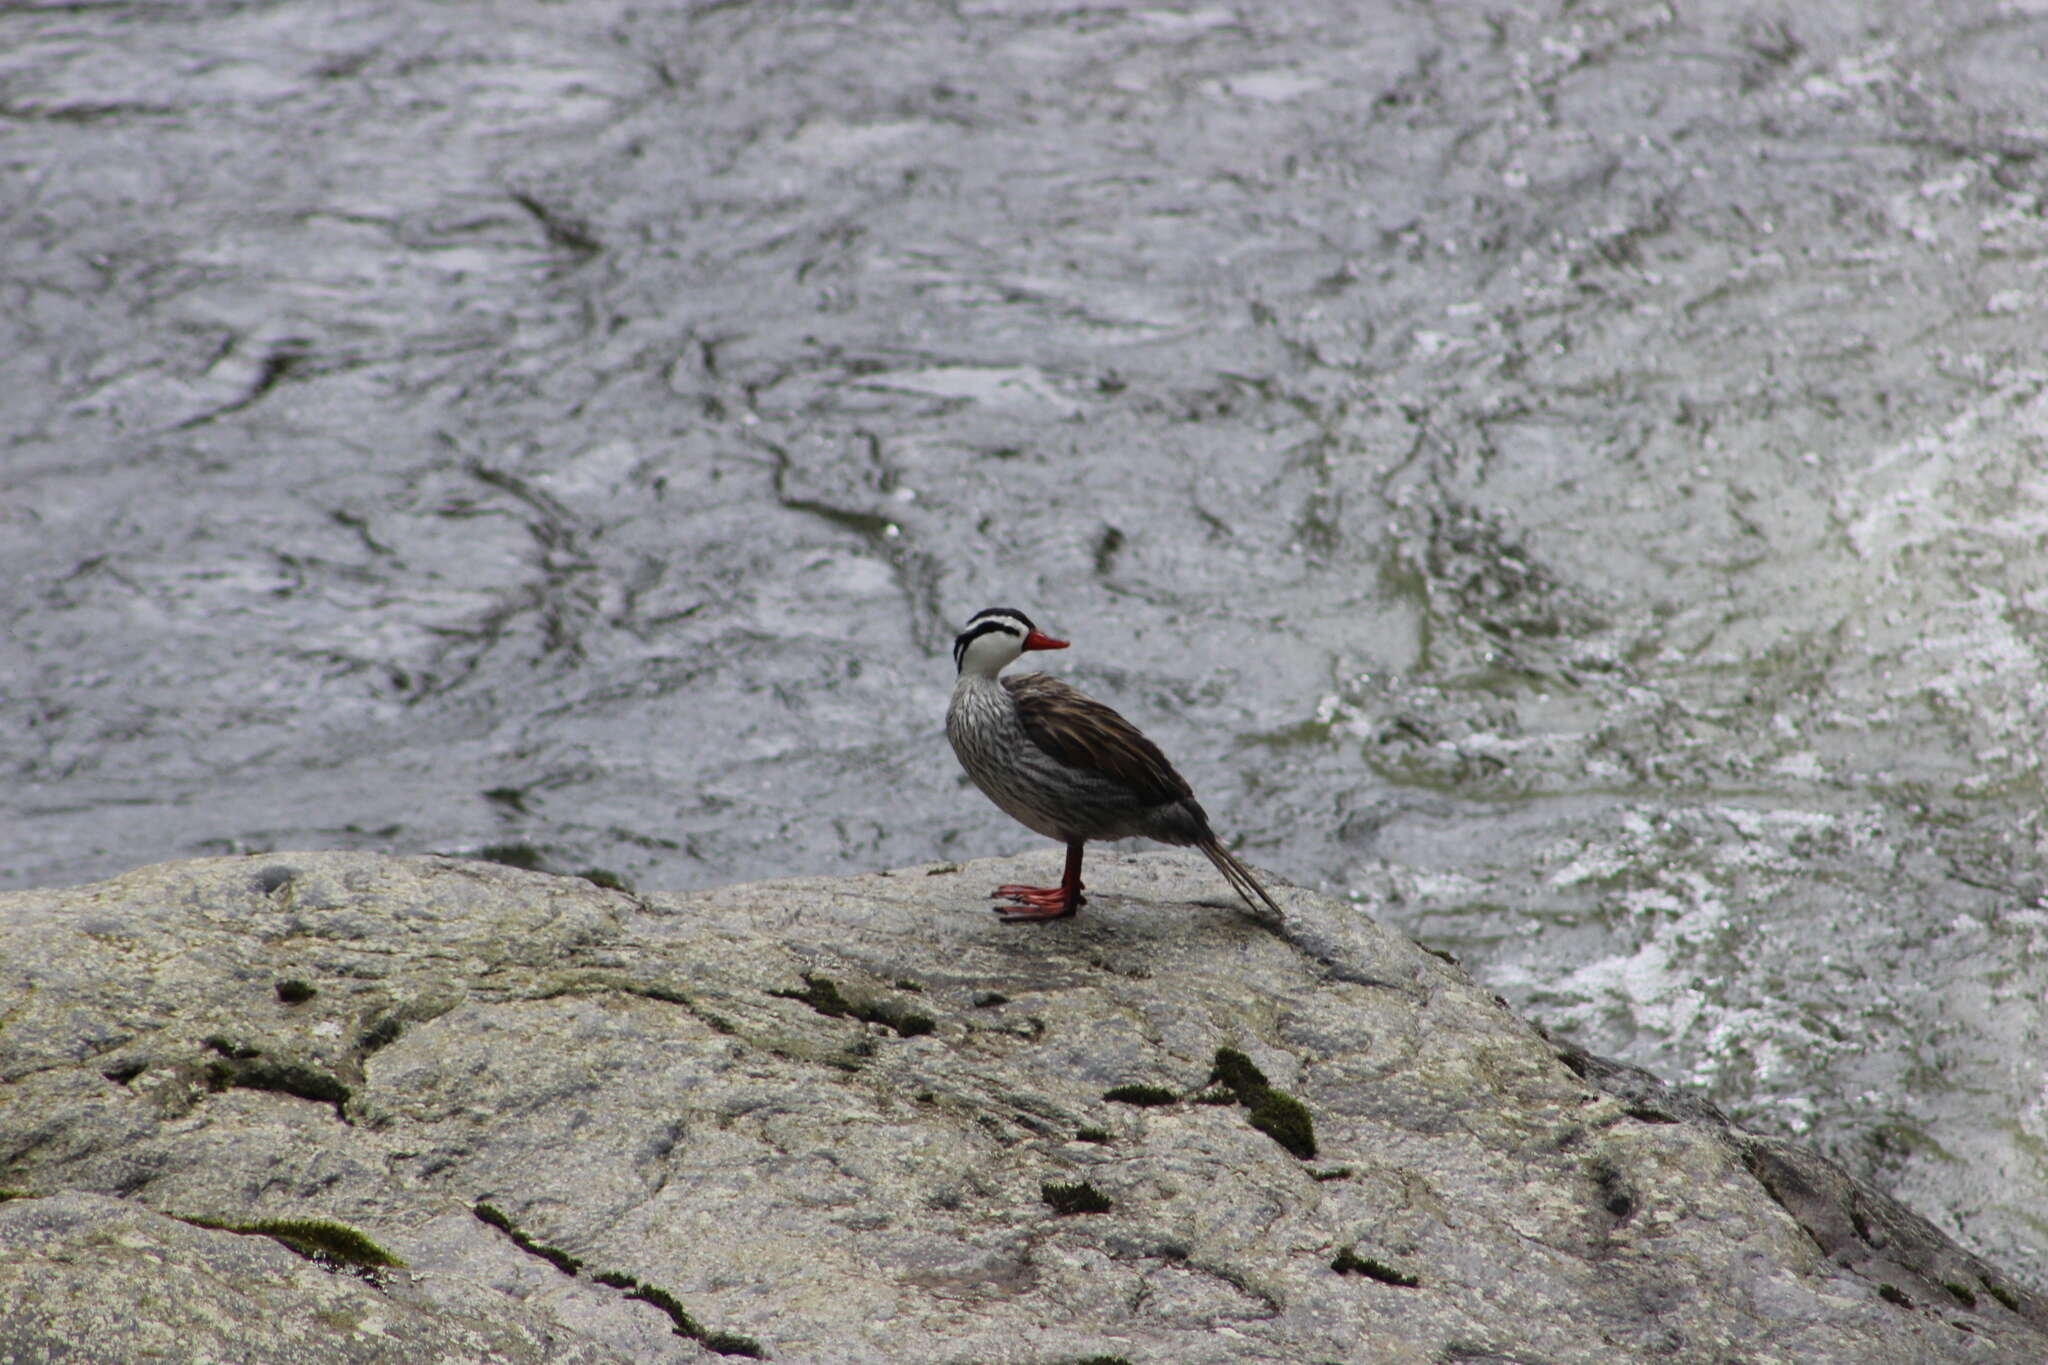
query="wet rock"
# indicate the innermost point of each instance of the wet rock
(592, 1126)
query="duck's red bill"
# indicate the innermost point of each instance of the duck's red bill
(1040, 640)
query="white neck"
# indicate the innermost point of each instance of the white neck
(990, 654)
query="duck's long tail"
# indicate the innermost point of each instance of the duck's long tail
(1238, 875)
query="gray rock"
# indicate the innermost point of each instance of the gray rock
(857, 1119)
(88, 1278)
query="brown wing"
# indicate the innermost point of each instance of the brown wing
(1083, 733)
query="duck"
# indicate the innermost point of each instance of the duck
(1066, 766)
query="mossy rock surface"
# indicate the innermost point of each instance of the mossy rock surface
(1279, 1116)
(690, 1124)
(316, 1239)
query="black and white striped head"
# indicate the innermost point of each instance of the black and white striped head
(993, 639)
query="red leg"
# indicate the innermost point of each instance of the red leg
(1045, 902)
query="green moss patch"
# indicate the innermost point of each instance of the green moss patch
(724, 1343)
(822, 994)
(1144, 1096)
(1080, 1197)
(1349, 1262)
(1285, 1119)
(733, 1344)
(239, 1067)
(317, 1240)
(1275, 1113)
(333, 1245)
(908, 1023)
(685, 1325)
(523, 856)
(295, 992)
(382, 1032)
(1236, 1072)
(232, 1050)
(554, 1256)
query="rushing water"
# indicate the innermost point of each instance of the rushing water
(1574, 477)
